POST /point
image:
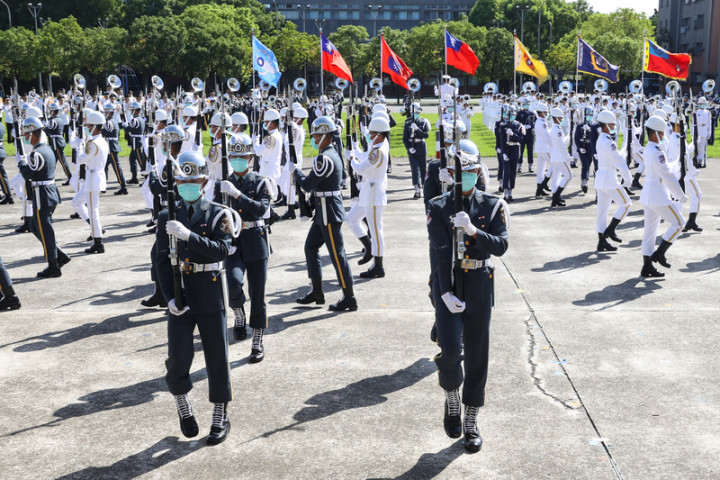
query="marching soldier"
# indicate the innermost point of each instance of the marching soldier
(38, 168)
(527, 118)
(270, 153)
(203, 235)
(324, 184)
(415, 132)
(94, 158)
(542, 148)
(610, 163)
(55, 130)
(585, 147)
(110, 132)
(511, 152)
(135, 129)
(500, 142)
(239, 122)
(286, 179)
(660, 183)
(704, 120)
(559, 158)
(692, 189)
(249, 195)
(4, 184)
(189, 123)
(483, 223)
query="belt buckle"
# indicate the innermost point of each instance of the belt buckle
(186, 267)
(467, 263)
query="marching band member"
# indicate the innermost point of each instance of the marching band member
(94, 158)
(559, 158)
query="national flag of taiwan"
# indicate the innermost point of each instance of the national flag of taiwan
(333, 62)
(393, 65)
(659, 60)
(460, 55)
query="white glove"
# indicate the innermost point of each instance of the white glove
(255, 138)
(174, 310)
(453, 304)
(75, 142)
(292, 167)
(527, 127)
(411, 150)
(498, 151)
(413, 127)
(21, 158)
(446, 177)
(226, 186)
(354, 145)
(232, 250)
(462, 220)
(582, 150)
(195, 147)
(586, 128)
(178, 230)
(509, 132)
(505, 157)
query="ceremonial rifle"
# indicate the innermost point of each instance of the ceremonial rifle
(695, 129)
(572, 126)
(350, 140)
(172, 241)
(223, 148)
(459, 243)
(630, 136)
(683, 135)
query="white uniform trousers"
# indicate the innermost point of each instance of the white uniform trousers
(653, 213)
(561, 175)
(374, 217)
(702, 143)
(93, 209)
(604, 198)
(78, 203)
(692, 190)
(543, 163)
(354, 218)
(146, 193)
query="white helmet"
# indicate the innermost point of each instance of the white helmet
(296, 106)
(382, 115)
(673, 118)
(33, 112)
(541, 107)
(300, 112)
(660, 114)
(217, 120)
(283, 112)
(656, 123)
(190, 111)
(557, 113)
(379, 124)
(95, 118)
(668, 109)
(160, 115)
(239, 118)
(606, 117)
(379, 107)
(270, 115)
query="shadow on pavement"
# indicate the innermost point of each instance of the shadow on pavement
(430, 465)
(708, 265)
(570, 263)
(163, 452)
(625, 292)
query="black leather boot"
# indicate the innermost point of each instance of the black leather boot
(257, 353)
(648, 269)
(315, 296)
(452, 421)
(692, 224)
(25, 227)
(544, 184)
(156, 300)
(220, 427)
(659, 255)
(10, 301)
(610, 230)
(603, 245)
(63, 259)
(290, 214)
(367, 250)
(188, 424)
(52, 271)
(348, 302)
(473, 440)
(239, 330)
(97, 247)
(636, 181)
(557, 201)
(539, 192)
(121, 191)
(376, 271)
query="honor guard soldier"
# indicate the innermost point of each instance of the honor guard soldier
(511, 152)
(324, 185)
(559, 158)
(286, 179)
(527, 118)
(372, 167)
(214, 158)
(586, 147)
(610, 163)
(189, 123)
(704, 121)
(38, 169)
(655, 198)
(110, 132)
(55, 129)
(500, 142)
(436, 176)
(135, 129)
(239, 122)
(542, 148)
(692, 189)
(270, 153)
(249, 194)
(9, 300)
(415, 133)
(203, 233)
(94, 158)
(482, 222)
(4, 184)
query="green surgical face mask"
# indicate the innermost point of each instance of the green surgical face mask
(239, 165)
(468, 180)
(26, 140)
(314, 144)
(190, 192)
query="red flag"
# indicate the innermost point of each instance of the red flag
(393, 65)
(460, 55)
(659, 60)
(333, 62)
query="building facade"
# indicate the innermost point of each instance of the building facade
(373, 16)
(692, 26)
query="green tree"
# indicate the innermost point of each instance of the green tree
(106, 49)
(350, 40)
(485, 13)
(62, 47)
(292, 49)
(561, 58)
(496, 60)
(157, 43)
(19, 54)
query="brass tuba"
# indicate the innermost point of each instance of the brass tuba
(341, 83)
(197, 84)
(233, 84)
(601, 85)
(708, 86)
(414, 85)
(300, 84)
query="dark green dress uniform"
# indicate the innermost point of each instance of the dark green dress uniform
(110, 131)
(206, 249)
(55, 130)
(324, 184)
(490, 218)
(433, 186)
(135, 130)
(39, 170)
(4, 185)
(252, 250)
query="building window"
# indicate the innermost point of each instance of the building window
(699, 48)
(699, 21)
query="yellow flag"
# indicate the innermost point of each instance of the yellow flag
(524, 63)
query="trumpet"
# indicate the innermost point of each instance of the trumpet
(414, 85)
(300, 84)
(341, 83)
(601, 85)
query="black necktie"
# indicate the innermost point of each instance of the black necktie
(466, 204)
(190, 212)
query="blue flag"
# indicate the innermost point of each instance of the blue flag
(590, 61)
(265, 63)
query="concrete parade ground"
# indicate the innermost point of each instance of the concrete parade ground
(595, 372)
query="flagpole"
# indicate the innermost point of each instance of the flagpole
(445, 41)
(382, 38)
(577, 57)
(252, 34)
(642, 69)
(514, 60)
(322, 77)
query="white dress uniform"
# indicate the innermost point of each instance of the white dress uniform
(372, 166)
(704, 131)
(610, 163)
(465, 115)
(542, 148)
(286, 184)
(270, 152)
(656, 201)
(94, 157)
(559, 158)
(692, 189)
(446, 93)
(189, 142)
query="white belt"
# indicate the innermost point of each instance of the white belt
(470, 264)
(336, 193)
(259, 223)
(57, 136)
(43, 183)
(134, 135)
(189, 267)
(112, 138)
(513, 144)
(418, 140)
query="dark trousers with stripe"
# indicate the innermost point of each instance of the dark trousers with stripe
(213, 334)
(42, 227)
(528, 142)
(4, 185)
(60, 157)
(331, 236)
(257, 278)
(137, 156)
(418, 163)
(114, 161)
(5, 280)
